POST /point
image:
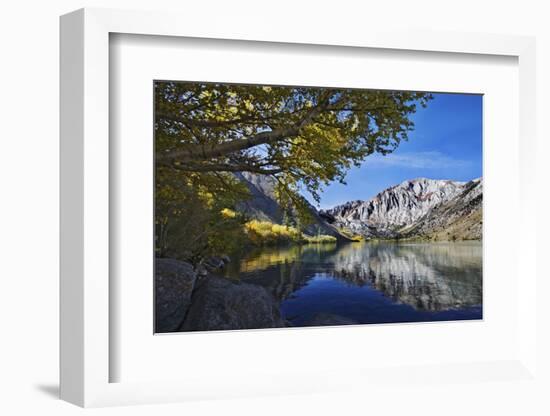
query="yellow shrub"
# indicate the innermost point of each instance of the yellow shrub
(350, 235)
(228, 213)
(321, 239)
(265, 232)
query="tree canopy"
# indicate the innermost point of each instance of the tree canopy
(303, 137)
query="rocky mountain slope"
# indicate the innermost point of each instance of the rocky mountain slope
(460, 218)
(419, 208)
(263, 206)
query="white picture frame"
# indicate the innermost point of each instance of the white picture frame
(85, 219)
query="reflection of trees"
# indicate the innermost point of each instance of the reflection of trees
(425, 276)
(281, 270)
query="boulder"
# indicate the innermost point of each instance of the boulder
(221, 304)
(174, 283)
(329, 319)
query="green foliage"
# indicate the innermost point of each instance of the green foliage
(190, 220)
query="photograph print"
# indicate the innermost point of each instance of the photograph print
(290, 206)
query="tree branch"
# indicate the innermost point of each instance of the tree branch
(195, 152)
(220, 167)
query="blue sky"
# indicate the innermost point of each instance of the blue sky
(445, 144)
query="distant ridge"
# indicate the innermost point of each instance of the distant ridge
(434, 209)
(418, 208)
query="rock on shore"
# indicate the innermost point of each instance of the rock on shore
(191, 299)
(174, 283)
(220, 304)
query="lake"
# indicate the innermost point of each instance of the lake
(366, 283)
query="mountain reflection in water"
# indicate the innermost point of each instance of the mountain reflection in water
(369, 282)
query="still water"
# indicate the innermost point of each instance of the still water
(357, 283)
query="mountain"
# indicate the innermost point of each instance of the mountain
(418, 208)
(263, 206)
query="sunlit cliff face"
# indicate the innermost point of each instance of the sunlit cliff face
(419, 207)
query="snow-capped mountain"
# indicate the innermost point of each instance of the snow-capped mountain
(439, 209)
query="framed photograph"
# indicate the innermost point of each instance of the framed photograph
(315, 200)
(290, 206)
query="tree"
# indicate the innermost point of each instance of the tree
(303, 137)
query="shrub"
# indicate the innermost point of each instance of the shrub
(320, 239)
(228, 213)
(268, 233)
(353, 237)
(265, 232)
